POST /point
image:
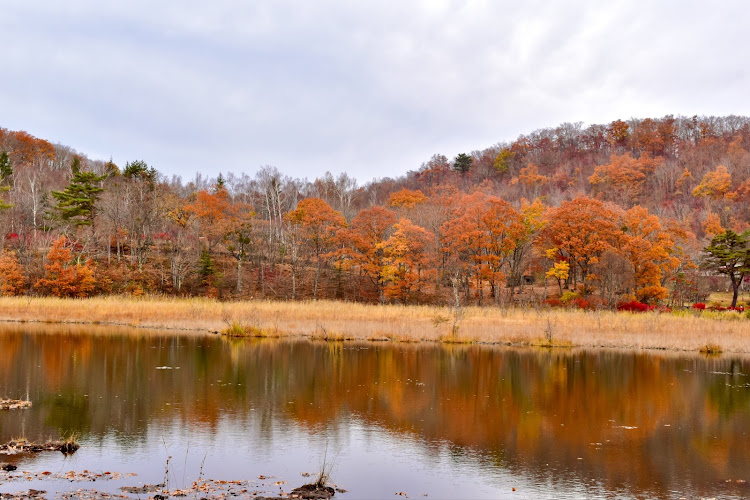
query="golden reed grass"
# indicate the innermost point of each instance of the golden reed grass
(330, 320)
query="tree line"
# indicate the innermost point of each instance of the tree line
(638, 210)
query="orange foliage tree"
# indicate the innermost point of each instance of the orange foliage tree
(319, 225)
(581, 230)
(712, 225)
(479, 239)
(649, 248)
(618, 133)
(623, 178)
(365, 242)
(409, 261)
(532, 181)
(63, 277)
(212, 211)
(12, 279)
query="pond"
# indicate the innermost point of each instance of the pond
(390, 419)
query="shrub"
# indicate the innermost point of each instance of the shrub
(634, 306)
(700, 306)
(568, 297)
(553, 303)
(581, 303)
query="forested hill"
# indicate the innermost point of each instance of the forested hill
(614, 211)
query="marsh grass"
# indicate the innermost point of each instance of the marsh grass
(237, 330)
(339, 321)
(549, 343)
(70, 444)
(711, 348)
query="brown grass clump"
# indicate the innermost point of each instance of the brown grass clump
(237, 330)
(341, 321)
(711, 349)
(548, 343)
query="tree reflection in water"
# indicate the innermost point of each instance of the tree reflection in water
(645, 423)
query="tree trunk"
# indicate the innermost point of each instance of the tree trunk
(317, 278)
(239, 276)
(735, 289)
(294, 282)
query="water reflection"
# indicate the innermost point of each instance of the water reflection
(601, 422)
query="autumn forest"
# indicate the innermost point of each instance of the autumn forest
(645, 212)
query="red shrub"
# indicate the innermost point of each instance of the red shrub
(699, 305)
(581, 303)
(634, 306)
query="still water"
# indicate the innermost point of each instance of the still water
(419, 419)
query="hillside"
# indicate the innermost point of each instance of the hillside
(607, 213)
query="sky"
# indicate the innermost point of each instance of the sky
(371, 88)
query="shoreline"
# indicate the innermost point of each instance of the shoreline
(342, 321)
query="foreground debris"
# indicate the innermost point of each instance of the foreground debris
(70, 476)
(17, 446)
(264, 488)
(313, 492)
(24, 494)
(82, 494)
(14, 404)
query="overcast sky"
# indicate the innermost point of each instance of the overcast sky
(373, 88)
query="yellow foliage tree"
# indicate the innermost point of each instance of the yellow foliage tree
(560, 271)
(714, 185)
(406, 198)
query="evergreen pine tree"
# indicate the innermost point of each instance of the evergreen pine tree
(6, 169)
(729, 253)
(462, 163)
(6, 177)
(77, 202)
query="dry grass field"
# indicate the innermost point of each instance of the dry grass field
(685, 330)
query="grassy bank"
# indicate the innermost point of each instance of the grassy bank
(347, 321)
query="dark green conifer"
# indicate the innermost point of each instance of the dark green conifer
(77, 202)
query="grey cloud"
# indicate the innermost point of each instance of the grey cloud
(373, 88)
